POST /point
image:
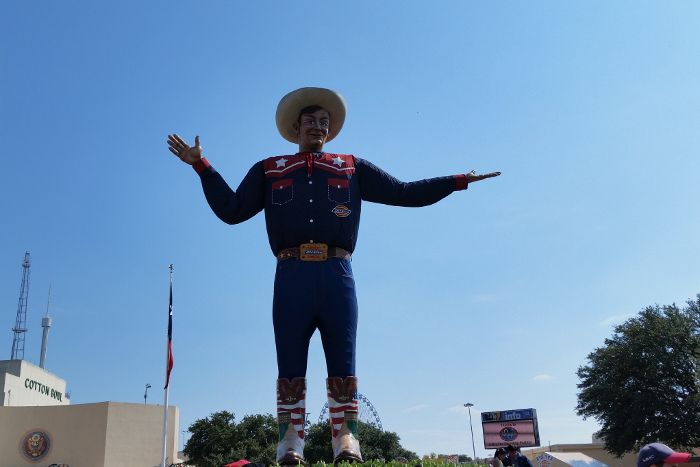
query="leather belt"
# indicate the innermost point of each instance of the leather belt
(313, 252)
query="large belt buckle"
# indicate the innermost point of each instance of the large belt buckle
(313, 252)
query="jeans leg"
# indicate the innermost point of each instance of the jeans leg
(338, 318)
(293, 318)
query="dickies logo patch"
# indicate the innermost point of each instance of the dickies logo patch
(341, 211)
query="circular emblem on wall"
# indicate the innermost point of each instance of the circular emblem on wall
(35, 445)
(508, 433)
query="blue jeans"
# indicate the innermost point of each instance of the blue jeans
(312, 295)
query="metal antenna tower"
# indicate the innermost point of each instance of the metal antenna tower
(21, 322)
(46, 324)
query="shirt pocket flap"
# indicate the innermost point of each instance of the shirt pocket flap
(339, 190)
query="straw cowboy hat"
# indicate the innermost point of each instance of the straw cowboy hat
(289, 107)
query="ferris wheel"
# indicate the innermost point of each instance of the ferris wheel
(366, 412)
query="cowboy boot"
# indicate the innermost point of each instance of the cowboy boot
(342, 413)
(291, 404)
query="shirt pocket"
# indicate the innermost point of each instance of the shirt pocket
(282, 191)
(339, 190)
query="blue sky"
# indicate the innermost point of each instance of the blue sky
(493, 296)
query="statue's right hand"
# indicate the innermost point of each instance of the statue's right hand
(187, 154)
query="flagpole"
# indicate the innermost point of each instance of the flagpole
(165, 427)
(168, 367)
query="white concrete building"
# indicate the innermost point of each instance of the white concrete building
(25, 384)
(39, 426)
(104, 434)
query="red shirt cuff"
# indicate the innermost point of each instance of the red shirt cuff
(201, 165)
(461, 182)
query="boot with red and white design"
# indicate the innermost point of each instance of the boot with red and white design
(291, 405)
(342, 413)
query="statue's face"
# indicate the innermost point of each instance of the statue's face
(312, 130)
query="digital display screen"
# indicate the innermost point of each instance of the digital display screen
(515, 427)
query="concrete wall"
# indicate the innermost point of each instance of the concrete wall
(106, 434)
(25, 384)
(135, 435)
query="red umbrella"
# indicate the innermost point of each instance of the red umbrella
(239, 463)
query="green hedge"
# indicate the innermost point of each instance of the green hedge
(398, 464)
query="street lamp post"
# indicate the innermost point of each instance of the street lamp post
(469, 406)
(145, 394)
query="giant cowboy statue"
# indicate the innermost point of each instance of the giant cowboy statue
(312, 201)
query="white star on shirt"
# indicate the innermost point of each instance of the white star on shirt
(280, 162)
(338, 161)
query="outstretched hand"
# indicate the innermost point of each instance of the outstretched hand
(187, 154)
(473, 177)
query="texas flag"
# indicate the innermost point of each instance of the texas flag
(169, 365)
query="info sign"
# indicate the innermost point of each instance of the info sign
(510, 427)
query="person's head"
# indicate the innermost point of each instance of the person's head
(312, 127)
(657, 454)
(310, 117)
(500, 453)
(512, 451)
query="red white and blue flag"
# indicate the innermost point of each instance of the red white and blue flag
(169, 365)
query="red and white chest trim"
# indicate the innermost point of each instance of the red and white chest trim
(280, 166)
(340, 164)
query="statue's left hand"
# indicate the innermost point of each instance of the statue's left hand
(473, 177)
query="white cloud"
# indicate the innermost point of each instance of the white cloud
(415, 408)
(543, 377)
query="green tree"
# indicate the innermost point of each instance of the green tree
(212, 440)
(643, 385)
(217, 439)
(318, 443)
(374, 444)
(378, 444)
(258, 436)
